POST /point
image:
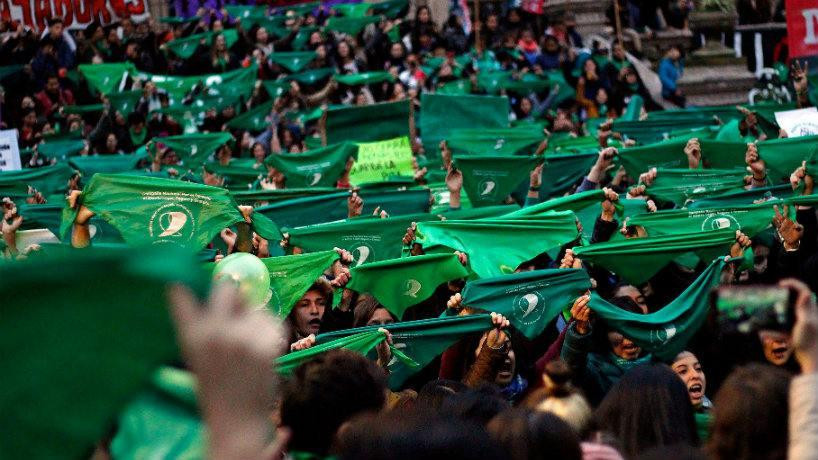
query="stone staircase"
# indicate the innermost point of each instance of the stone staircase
(713, 74)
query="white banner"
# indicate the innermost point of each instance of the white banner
(9, 151)
(799, 122)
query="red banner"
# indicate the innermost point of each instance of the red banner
(533, 6)
(802, 27)
(75, 13)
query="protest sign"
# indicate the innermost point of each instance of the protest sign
(379, 160)
(76, 14)
(9, 150)
(802, 17)
(799, 122)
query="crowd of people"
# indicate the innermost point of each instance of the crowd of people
(545, 278)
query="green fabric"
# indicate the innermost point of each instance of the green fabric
(636, 260)
(61, 149)
(350, 25)
(49, 180)
(422, 341)
(239, 174)
(260, 197)
(782, 156)
(254, 120)
(457, 88)
(390, 8)
(478, 213)
(743, 197)
(750, 219)
(246, 11)
(369, 123)
(234, 83)
(92, 164)
(302, 37)
(149, 210)
(365, 78)
(316, 209)
(355, 10)
(84, 349)
(275, 88)
(293, 61)
(530, 300)
(186, 46)
(292, 276)
(666, 332)
(124, 102)
(398, 284)
(489, 179)
(311, 77)
(561, 172)
(704, 421)
(178, 20)
(511, 141)
(8, 70)
(369, 239)
(513, 241)
(105, 78)
(194, 149)
(443, 113)
(83, 109)
(314, 168)
(49, 216)
(362, 343)
(682, 185)
(670, 154)
(163, 421)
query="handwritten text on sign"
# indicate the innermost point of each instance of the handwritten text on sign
(377, 161)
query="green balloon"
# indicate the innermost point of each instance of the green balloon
(249, 274)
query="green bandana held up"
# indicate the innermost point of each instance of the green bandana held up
(513, 241)
(51, 181)
(530, 300)
(751, 219)
(636, 260)
(376, 122)
(293, 61)
(421, 341)
(92, 164)
(119, 317)
(443, 113)
(782, 156)
(239, 174)
(291, 276)
(488, 180)
(670, 154)
(401, 283)
(666, 332)
(682, 185)
(124, 102)
(255, 119)
(369, 239)
(312, 77)
(186, 46)
(162, 420)
(362, 343)
(61, 149)
(330, 207)
(148, 210)
(364, 78)
(194, 149)
(105, 78)
(350, 25)
(743, 197)
(511, 141)
(314, 168)
(562, 171)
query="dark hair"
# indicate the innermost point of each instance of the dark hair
(676, 452)
(136, 118)
(415, 434)
(365, 308)
(601, 328)
(435, 392)
(324, 393)
(478, 405)
(55, 20)
(648, 407)
(750, 415)
(527, 435)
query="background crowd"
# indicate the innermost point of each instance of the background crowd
(537, 284)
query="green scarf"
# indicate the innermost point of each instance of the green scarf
(117, 321)
(750, 219)
(51, 181)
(666, 332)
(401, 283)
(292, 276)
(365, 78)
(148, 210)
(315, 168)
(376, 122)
(90, 165)
(489, 179)
(682, 185)
(443, 113)
(194, 149)
(511, 141)
(293, 61)
(105, 78)
(530, 300)
(513, 241)
(636, 260)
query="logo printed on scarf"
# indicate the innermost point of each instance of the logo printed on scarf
(412, 287)
(718, 221)
(315, 178)
(663, 334)
(487, 187)
(362, 253)
(526, 307)
(171, 222)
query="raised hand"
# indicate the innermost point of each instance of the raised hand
(581, 314)
(608, 206)
(755, 164)
(800, 174)
(355, 205)
(693, 150)
(789, 230)
(742, 242)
